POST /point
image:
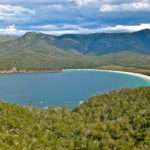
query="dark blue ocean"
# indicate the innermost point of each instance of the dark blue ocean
(66, 88)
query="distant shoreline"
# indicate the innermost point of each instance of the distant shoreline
(145, 77)
(14, 71)
(27, 71)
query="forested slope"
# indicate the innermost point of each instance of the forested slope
(119, 120)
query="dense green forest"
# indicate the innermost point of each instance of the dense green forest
(119, 120)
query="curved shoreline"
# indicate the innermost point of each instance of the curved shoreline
(140, 75)
(145, 77)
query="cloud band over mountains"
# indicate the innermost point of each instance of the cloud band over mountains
(73, 16)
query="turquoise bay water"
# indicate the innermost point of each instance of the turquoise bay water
(62, 89)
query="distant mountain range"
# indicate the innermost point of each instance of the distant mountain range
(99, 43)
(42, 51)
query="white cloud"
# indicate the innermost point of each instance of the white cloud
(73, 29)
(11, 30)
(12, 11)
(85, 2)
(56, 27)
(67, 29)
(125, 28)
(137, 5)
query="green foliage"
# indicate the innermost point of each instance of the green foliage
(119, 120)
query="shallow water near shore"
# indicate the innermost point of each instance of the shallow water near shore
(65, 88)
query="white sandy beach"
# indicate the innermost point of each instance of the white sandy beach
(145, 77)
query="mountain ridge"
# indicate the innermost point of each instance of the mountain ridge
(47, 52)
(99, 43)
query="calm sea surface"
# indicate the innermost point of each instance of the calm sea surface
(62, 89)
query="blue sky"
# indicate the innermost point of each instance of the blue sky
(73, 16)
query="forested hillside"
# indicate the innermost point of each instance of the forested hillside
(36, 51)
(97, 43)
(119, 120)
